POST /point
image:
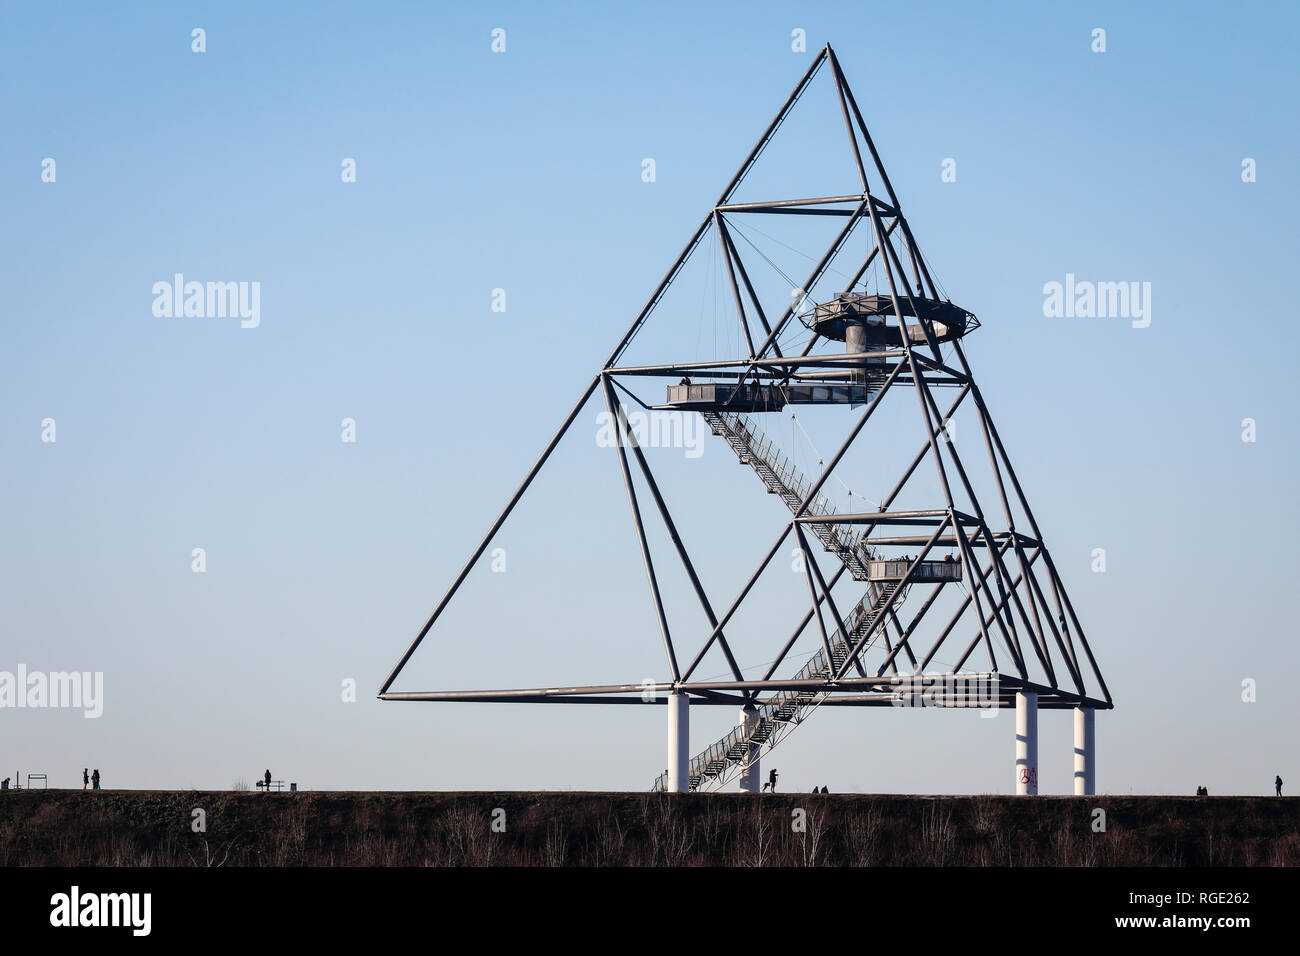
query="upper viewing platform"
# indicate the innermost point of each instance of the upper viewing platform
(864, 320)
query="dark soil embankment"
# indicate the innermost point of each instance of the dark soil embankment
(155, 828)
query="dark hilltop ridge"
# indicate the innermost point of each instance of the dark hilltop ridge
(161, 828)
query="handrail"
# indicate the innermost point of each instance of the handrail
(851, 547)
(761, 447)
(815, 666)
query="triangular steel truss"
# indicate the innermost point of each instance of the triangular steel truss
(1015, 607)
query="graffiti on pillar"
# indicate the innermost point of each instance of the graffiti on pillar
(1028, 775)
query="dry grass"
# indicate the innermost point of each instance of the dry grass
(72, 828)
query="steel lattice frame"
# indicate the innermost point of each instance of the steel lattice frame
(1015, 591)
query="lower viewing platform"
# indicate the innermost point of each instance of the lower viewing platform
(947, 569)
(751, 397)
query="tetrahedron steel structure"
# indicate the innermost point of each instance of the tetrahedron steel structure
(1007, 631)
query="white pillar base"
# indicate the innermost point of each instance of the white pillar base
(750, 779)
(1026, 743)
(1085, 751)
(679, 743)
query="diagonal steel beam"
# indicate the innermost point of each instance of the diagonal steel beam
(785, 531)
(999, 569)
(735, 287)
(976, 639)
(682, 553)
(812, 593)
(616, 413)
(491, 533)
(893, 598)
(730, 246)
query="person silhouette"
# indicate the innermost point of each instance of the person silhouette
(85, 777)
(1278, 786)
(771, 781)
(267, 784)
(94, 779)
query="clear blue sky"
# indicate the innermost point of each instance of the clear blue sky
(522, 171)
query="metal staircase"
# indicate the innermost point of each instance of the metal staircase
(781, 713)
(778, 715)
(778, 473)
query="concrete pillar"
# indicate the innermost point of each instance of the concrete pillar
(679, 743)
(1085, 751)
(1026, 743)
(750, 780)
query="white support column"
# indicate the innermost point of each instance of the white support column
(1026, 743)
(679, 743)
(1085, 751)
(749, 779)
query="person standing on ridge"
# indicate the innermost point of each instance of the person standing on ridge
(94, 778)
(85, 777)
(771, 781)
(267, 780)
(1278, 785)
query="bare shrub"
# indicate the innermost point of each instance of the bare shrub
(754, 846)
(983, 818)
(611, 840)
(210, 857)
(556, 847)
(937, 834)
(811, 845)
(863, 837)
